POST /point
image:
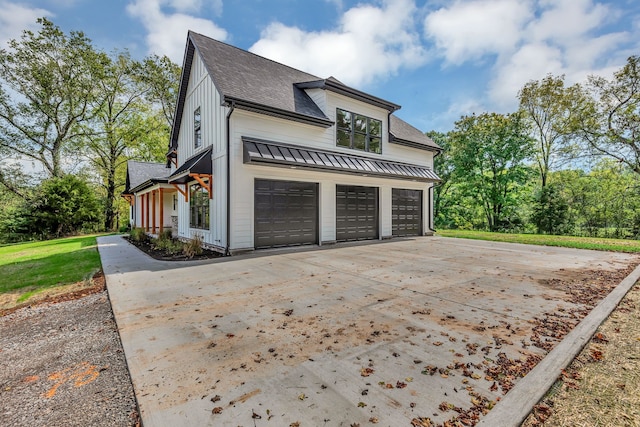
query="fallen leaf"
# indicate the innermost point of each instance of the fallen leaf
(400, 384)
(361, 404)
(255, 416)
(365, 372)
(421, 422)
(216, 398)
(373, 420)
(302, 396)
(217, 410)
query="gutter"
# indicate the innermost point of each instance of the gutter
(228, 243)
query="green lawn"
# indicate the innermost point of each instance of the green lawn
(36, 266)
(600, 244)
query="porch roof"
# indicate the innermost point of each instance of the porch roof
(200, 164)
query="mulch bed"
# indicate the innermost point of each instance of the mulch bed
(164, 255)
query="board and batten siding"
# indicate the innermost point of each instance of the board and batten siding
(201, 92)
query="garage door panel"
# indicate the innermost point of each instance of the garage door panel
(406, 212)
(356, 213)
(286, 213)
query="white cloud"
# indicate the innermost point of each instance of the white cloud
(16, 17)
(369, 43)
(167, 31)
(468, 30)
(528, 39)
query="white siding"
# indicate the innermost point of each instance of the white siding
(201, 92)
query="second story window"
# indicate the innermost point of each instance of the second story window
(197, 131)
(358, 132)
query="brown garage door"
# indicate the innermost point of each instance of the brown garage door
(356, 212)
(285, 213)
(406, 212)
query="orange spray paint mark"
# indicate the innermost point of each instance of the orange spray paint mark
(81, 374)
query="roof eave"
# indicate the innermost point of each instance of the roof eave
(413, 144)
(349, 92)
(276, 112)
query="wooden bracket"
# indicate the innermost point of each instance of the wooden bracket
(129, 198)
(206, 185)
(184, 192)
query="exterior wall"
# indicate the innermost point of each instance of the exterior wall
(202, 93)
(255, 125)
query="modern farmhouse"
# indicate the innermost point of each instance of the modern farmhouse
(263, 155)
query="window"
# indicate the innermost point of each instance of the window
(197, 132)
(358, 132)
(199, 207)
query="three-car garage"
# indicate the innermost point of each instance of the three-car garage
(286, 213)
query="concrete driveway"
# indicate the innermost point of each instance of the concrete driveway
(385, 333)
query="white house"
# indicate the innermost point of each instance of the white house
(264, 155)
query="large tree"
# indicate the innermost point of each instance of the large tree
(549, 106)
(162, 78)
(488, 152)
(610, 120)
(47, 84)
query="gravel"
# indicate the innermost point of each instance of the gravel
(62, 364)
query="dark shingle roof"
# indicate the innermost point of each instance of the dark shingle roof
(255, 83)
(405, 134)
(141, 172)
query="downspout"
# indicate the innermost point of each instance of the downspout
(431, 213)
(226, 250)
(430, 195)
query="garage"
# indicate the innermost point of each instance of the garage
(285, 213)
(406, 212)
(356, 212)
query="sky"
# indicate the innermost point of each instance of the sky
(438, 59)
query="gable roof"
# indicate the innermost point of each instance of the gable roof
(252, 82)
(404, 134)
(139, 173)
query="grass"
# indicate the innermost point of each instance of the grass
(595, 243)
(602, 385)
(27, 269)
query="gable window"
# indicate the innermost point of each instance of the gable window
(199, 207)
(197, 131)
(358, 132)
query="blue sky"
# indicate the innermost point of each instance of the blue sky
(438, 59)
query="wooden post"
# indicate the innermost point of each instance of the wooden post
(147, 211)
(142, 211)
(161, 209)
(153, 215)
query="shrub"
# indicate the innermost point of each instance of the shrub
(138, 235)
(194, 246)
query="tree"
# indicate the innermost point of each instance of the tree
(549, 106)
(550, 210)
(610, 119)
(46, 87)
(488, 153)
(63, 206)
(443, 166)
(114, 126)
(162, 78)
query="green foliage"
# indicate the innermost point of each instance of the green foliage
(193, 246)
(549, 107)
(139, 235)
(488, 153)
(550, 211)
(65, 206)
(610, 119)
(166, 242)
(53, 75)
(39, 265)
